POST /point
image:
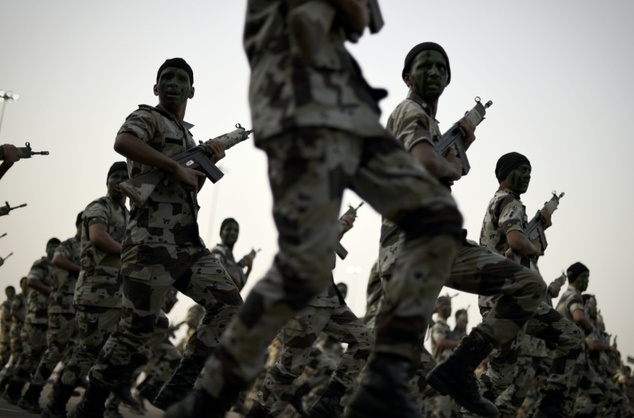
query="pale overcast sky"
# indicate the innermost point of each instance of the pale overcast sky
(558, 73)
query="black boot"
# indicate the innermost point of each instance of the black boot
(112, 411)
(13, 392)
(298, 399)
(328, 405)
(30, 401)
(56, 407)
(455, 376)
(181, 383)
(93, 403)
(198, 404)
(383, 391)
(4, 382)
(258, 411)
(550, 405)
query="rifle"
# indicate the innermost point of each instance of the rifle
(630, 359)
(456, 136)
(24, 152)
(339, 249)
(535, 228)
(3, 235)
(198, 158)
(3, 259)
(376, 17)
(4, 210)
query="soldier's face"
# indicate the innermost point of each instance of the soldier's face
(519, 179)
(445, 310)
(173, 88)
(582, 281)
(114, 183)
(592, 306)
(50, 249)
(428, 74)
(229, 233)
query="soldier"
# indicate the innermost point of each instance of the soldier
(442, 344)
(5, 326)
(162, 247)
(503, 232)
(62, 327)
(194, 317)
(374, 294)
(327, 313)
(40, 281)
(229, 231)
(317, 119)
(97, 297)
(18, 337)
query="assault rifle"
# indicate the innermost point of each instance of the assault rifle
(456, 136)
(3, 259)
(376, 17)
(339, 249)
(535, 228)
(3, 235)
(198, 158)
(4, 210)
(24, 152)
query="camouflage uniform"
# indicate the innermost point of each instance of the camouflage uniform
(194, 315)
(62, 327)
(36, 322)
(318, 122)
(506, 213)
(5, 332)
(374, 295)
(224, 254)
(98, 291)
(18, 336)
(162, 249)
(443, 406)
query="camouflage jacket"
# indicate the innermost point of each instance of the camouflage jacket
(505, 213)
(569, 302)
(440, 331)
(5, 318)
(305, 79)
(99, 283)
(373, 292)
(64, 281)
(224, 254)
(411, 124)
(37, 303)
(18, 306)
(168, 217)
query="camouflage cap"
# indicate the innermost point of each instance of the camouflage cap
(424, 46)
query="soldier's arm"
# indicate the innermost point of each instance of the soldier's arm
(36, 284)
(61, 261)
(11, 155)
(520, 244)
(582, 320)
(100, 238)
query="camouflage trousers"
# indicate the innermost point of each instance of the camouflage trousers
(18, 339)
(62, 332)
(309, 170)
(190, 269)
(164, 359)
(562, 338)
(31, 352)
(5, 346)
(298, 337)
(94, 324)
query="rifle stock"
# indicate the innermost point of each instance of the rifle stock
(455, 136)
(141, 187)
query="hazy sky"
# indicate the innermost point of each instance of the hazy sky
(559, 74)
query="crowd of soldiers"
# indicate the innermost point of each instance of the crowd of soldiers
(95, 306)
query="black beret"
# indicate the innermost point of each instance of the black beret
(119, 165)
(575, 270)
(177, 63)
(509, 162)
(423, 47)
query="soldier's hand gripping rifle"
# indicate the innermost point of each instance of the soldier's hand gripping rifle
(535, 228)
(198, 158)
(339, 249)
(456, 135)
(3, 259)
(24, 152)
(4, 210)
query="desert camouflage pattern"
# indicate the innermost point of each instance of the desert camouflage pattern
(505, 213)
(61, 337)
(32, 350)
(18, 306)
(95, 325)
(298, 337)
(227, 259)
(5, 332)
(374, 294)
(194, 315)
(569, 302)
(439, 331)
(64, 281)
(36, 302)
(99, 283)
(293, 86)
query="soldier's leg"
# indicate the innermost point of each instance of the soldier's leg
(479, 270)
(297, 338)
(344, 326)
(209, 285)
(28, 361)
